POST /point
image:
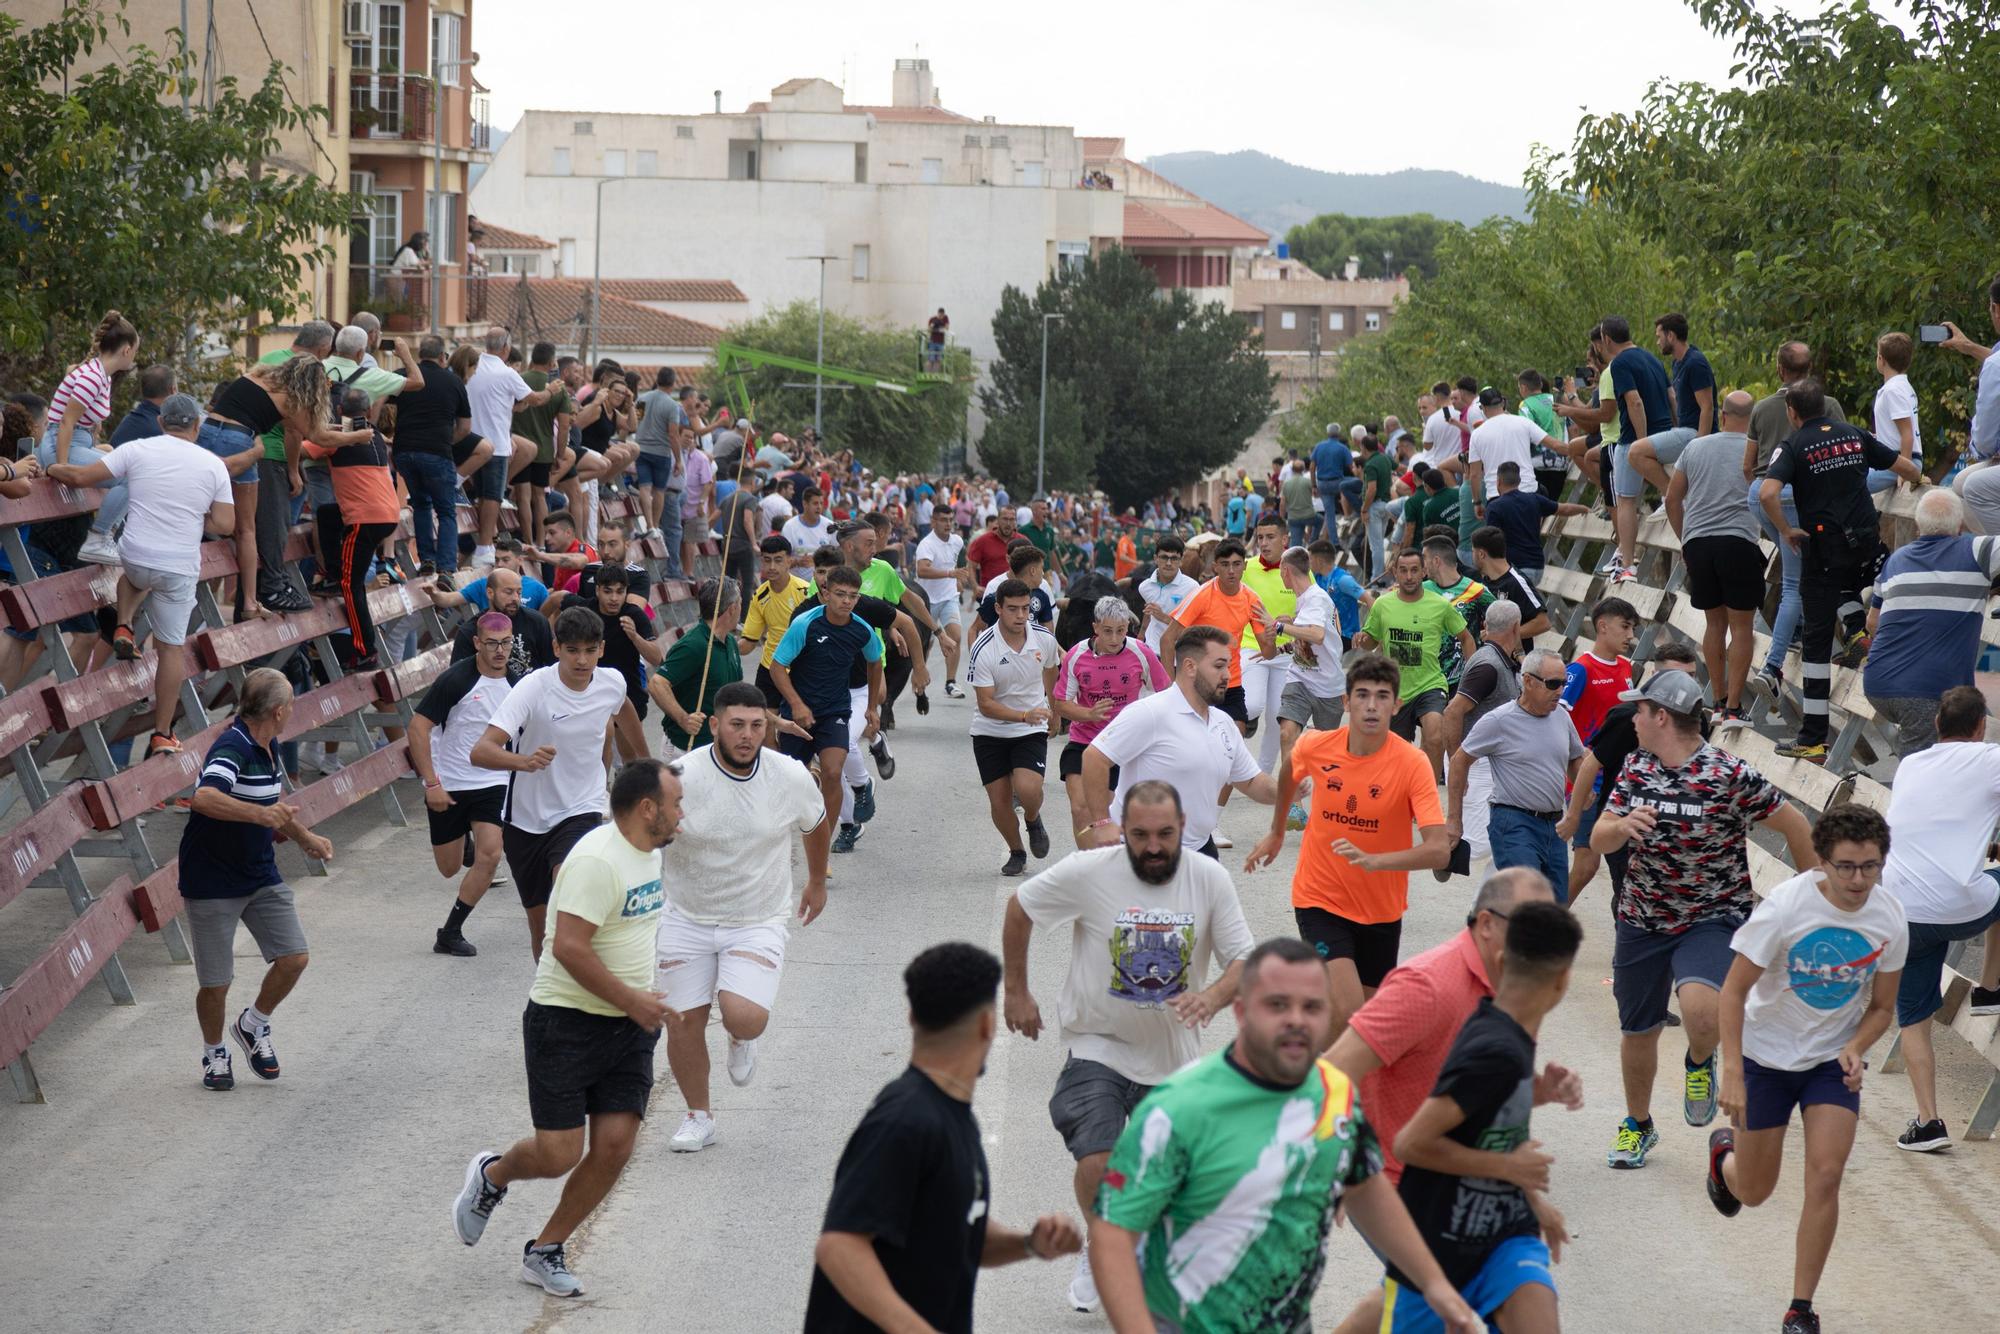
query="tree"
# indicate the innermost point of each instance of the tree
(117, 199)
(1167, 389)
(1411, 241)
(889, 432)
(1007, 447)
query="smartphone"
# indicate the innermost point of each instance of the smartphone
(357, 423)
(1932, 334)
(388, 345)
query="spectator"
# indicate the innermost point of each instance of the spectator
(433, 426)
(534, 645)
(1724, 564)
(1332, 462)
(1538, 405)
(1693, 390)
(546, 426)
(1926, 618)
(79, 415)
(1979, 484)
(1518, 515)
(1501, 439)
(363, 516)
(697, 473)
(1533, 752)
(988, 551)
(1768, 429)
(1378, 508)
(1895, 411)
(1443, 439)
(1640, 387)
(662, 419)
(495, 390)
(156, 383)
(1358, 437)
(935, 330)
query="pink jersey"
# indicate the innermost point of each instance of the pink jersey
(1087, 677)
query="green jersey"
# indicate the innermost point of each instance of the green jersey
(880, 580)
(1231, 1184)
(1412, 634)
(1472, 598)
(274, 439)
(1541, 410)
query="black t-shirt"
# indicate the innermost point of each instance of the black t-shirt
(1826, 464)
(1518, 515)
(534, 646)
(1041, 608)
(586, 582)
(427, 420)
(872, 611)
(1617, 737)
(1490, 1074)
(620, 653)
(913, 1177)
(1511, 587)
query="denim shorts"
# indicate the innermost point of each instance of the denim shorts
(1626, 482)
(1668, 446)
(490, 482)
(655, 470)
(226, 440)
(1648, 965)
(1769, 1095)
(1919, 992)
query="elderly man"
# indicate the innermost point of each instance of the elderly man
(229, 875)
(1926, 616)
(1492, 677)
(1533, 750)
(177, 489)
(1725, 566)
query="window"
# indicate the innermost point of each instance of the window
(1289, 320)
(1070, 256)
(1372, 321)
(445, 47)
(1335, 321)
(683, 131)
(649, 162)
(442, 222)
(861, 264)
(933, 170)
(376, 101)
(566, 254)
(861, 164)
(579, 127)
(383, 52)
(614, 162)
(559, 162)
(1031, 173)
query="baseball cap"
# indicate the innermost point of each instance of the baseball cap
(1675, 691)
(179, 411)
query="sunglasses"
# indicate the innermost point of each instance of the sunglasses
(1550, 682)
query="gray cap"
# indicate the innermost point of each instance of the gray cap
(1674, 690)
(179, 411)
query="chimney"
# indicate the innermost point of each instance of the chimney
(1352, 269)
(913, 87)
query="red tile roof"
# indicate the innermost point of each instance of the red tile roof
(561, 303)
(1188, 222)
(1102, 148)
(506, 238)
(674, 289)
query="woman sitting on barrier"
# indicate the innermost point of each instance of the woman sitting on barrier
(79, 424)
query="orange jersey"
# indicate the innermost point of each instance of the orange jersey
(1377, 802)
(1209, 605)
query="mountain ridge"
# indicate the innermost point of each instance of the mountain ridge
(1278, 195)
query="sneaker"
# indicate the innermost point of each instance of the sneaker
(427, 569)
(1625, 574)
(1083, 1284)
(454, 942)
(124, 645)
(849, 835)
(282, 597)
(99, 549)
(544, 1267)
(367, 662)
(1631, 1144)
(1295, 818)
(1732, 718)
(742, 1061)
(1924, 1137)
(697, 1132)
(325, 588)
(257, 1049)
(951, 690)
(1721, 1143)
(1810, 752)
(163, 743)
(1800, 1322)
(1038, 838)
(1223, 840)
(215, 1072)
(1986, 1000)
(1698, 1092)
(1612, 562)
(885, 763)
(473, 1208)
(1017, 862)
(1855, 651)
(864, 802)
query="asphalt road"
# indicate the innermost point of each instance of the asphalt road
(135, 1200)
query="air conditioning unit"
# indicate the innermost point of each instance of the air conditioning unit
(357, 19)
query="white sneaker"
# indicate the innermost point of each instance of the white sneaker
(1083, 1284)
(697, 1132)
(742, 1061)
(1222, 840)
(99, 549)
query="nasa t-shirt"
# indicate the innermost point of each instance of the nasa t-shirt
(1136, 946)
(1820, 965)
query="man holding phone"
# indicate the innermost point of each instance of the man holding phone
(1979, 484)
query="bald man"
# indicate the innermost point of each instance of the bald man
(1725, 566)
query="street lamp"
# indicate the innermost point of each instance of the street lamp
(597, 266)
(1042, 431)
(438, 68)
(819, 350)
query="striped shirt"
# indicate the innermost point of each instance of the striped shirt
(230, 859)
(1932, 597)
(89, 387)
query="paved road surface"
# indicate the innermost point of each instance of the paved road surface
(136, 1200)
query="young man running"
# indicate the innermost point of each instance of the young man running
(1468, 597)
(895, 632)
(1011, 669)
(1352, 883)
(549, 734)
(464, 801)
(1594, 684)
(629, 646)
(1264, 677)
(941, 573)
(590, 1026)
(1165, 589)
(1225, 603)
(1812, 988)
(1410, 626)
(1146, 921)
(810, 669)
(768, 616)
(729, 898)
(1312, 696)
(1475, 1184)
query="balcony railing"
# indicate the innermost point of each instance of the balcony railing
(390, 106)
(402, 297)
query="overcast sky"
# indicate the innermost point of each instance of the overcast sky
(1343, 85)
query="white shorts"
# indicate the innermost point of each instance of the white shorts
(169, 601)
(708, 960)
(945, 612)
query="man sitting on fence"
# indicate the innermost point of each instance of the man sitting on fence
(1926, 618)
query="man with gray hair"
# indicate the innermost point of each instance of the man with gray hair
(1926, 615)
(372, 326)
(1725, 566)
(1534, 751)
(228, 874)
(1492, 677)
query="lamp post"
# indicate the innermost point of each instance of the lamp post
(1042, 431)
(819, 348)
(597, 266)
(438, 67)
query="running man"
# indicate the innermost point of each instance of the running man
(1409, 625)
(463, 800)
(1812, 988)
(1163, 592)
(1470, 597)
(1593, 685)
(1145, 922)
(729, 898)
(942, 573)
(1099, 677)
(1351, 887)
(590, 1026)
(1229, 1242)
(1312, 694)
(767, 618)
(1011, 669)
(1224, 602)
(550, 735)
(894, 631)
(810, 669)
(1475, 1184)
(1264, 676)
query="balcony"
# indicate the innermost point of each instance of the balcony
(390, 106)
(402, 297)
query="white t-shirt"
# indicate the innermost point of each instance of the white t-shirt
(1508, 438)
(542, 711)
(1442, 438)
(1942, 810)
(1161, 736)
(1167, 597)
(730, 863)
(1015, 676)
(467, 701)
(1135, 946)
(1325, 677)
(806, 540)
(945, 553)
(1893, 401)
(1819, 967)
(493, 390)
(776, 510)
(173, 482)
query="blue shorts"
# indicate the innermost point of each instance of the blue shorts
(1647, 966)
(655, 470)
(1769, 1095)
(490, 482)
(1919, 994)
(226, 441)
(1514, 1263)
(829, 732)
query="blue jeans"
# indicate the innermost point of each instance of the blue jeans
(1521, 839)
(1790, 607)
(1351, 490)
(670, 533)
(433, 484)
(1880, 480)
(1301, 530)
(1329, 494)
(83, 453)
(1381, 518)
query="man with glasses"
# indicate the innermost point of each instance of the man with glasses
(1532, 752)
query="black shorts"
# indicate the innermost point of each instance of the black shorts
(1371, 945)
(582, 1065)
(1070, 763)
(461, 450)
(1409, 718)
(829, 732)
(533, 858)
(481, 805)
(999, 756)
(1232, 704)
(535, 474)
(772, 699)
(1724, 572)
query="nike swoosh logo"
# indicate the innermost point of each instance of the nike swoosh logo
(557, 717)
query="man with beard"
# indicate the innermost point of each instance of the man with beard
(1230, 1244)
(533, 644)
(1145, 921)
